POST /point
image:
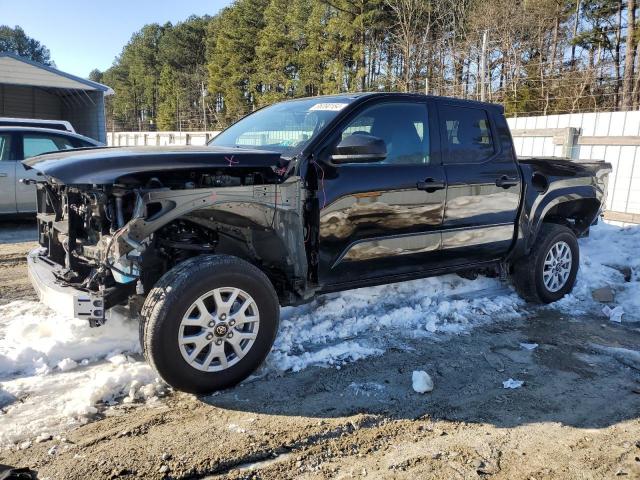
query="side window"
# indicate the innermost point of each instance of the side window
(468, 135)
(402, 126)
(5, 147)
(35, 144)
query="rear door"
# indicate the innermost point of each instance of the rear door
(483, 183)
(382, 219)
(7, 173)
(34, 144)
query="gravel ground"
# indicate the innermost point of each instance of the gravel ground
(575, 417)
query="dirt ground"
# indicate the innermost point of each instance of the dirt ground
(576, 417)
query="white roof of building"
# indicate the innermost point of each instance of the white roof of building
(15, 70)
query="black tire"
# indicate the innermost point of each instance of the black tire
(176, 291)
(528, 271)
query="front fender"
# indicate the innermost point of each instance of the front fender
(262, 208)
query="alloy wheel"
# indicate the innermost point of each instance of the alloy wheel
(218, 329)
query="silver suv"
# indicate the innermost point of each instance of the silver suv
(18, 143)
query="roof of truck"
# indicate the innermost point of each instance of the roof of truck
(351, 97)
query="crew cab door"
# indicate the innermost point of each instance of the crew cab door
(381, 219)
(7, 174)
(483, 183)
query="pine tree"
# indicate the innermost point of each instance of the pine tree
(547, 56)
(169, 95)
(232, 62)
(311, 34)
(276, 57)
(15, 40)
(350, 27)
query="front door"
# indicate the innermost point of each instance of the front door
(7, 174)
(483, 185)
(381, 219)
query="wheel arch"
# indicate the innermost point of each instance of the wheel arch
(263, 246)
(575, 207)
(576, 214)
(259, 224)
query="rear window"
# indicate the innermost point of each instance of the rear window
(468, 134)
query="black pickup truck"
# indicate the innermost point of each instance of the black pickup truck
(304, 197)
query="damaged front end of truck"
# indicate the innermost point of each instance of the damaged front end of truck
(111, 222)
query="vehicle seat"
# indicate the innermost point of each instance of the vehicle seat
(403, 142)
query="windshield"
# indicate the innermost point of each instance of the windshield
(285, 128)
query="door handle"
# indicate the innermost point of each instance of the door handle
(507, 182)
(3, 175)
(430, 185)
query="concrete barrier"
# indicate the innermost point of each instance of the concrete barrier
(151, 139)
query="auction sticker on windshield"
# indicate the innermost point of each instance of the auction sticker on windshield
(328, 107)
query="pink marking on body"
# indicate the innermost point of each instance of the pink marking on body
(231, 161)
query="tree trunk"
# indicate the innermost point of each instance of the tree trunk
(363, 54)
(407, 64)
(630, 57)
(554, 43)
(636, 82)
(616, 58)
(576, 22)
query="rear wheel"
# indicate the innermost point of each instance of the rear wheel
(549, 272)
(209, 323)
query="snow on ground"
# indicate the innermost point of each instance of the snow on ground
(56, 372)
(351, 325)
(602, 256)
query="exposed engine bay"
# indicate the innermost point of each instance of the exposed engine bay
(116, 241)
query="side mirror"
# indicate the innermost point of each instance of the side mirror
(360, 148)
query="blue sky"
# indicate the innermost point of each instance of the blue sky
(86, 35)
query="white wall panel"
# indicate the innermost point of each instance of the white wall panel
(616, 123)
(548, 148)
(517, 144)
(575, 120)
(563, 121)
(527, 146)
(624, 181)
(586, 123)
(552, 121)
(623, 178)
(538, 146)
(557, 150)
(632, 124)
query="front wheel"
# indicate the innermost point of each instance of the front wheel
(549, 272)
(209, 323)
